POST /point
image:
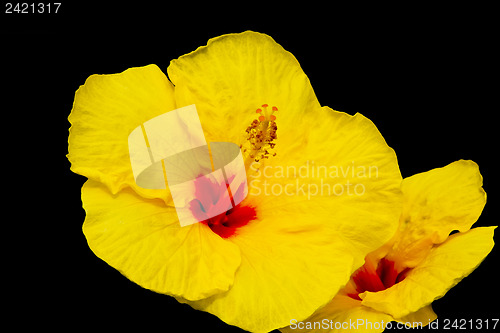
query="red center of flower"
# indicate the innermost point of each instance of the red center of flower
(212, 196)
(367, 278)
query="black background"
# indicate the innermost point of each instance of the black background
(427, 77)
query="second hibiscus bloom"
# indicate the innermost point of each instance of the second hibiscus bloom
(423, 260)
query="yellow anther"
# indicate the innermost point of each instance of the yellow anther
(261, 134)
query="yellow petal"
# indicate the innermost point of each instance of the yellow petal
(436, 203)
(144, 241)
(343, 314)
(106, 109)
(233, 75)
(366, 214)
(340, 171)
(420, 318)
(445, 266)
(290, 266)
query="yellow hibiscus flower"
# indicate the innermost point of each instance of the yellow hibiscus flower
(400, 280)
(315, 175)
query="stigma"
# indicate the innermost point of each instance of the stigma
(261, 135)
